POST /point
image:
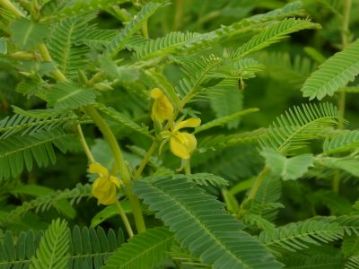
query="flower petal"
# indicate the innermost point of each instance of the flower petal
(115, 181)
(104, 190)
(189, 123)
(156, 93)
(182, 144)
(96, 168)
(111, 198)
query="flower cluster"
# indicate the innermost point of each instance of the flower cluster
(182, 144)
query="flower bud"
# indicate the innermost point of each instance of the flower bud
(105, 186)
(162, 109)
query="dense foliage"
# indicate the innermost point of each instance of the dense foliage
(179, 134)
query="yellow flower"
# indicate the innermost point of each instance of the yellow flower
(105, 186)
(162, 108)
(182, 144)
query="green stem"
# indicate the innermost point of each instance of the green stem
(257, 183)
(187, 167)
(347, 4)
(345, 41)
(145, 29)
(124, 219)
(121, 14)
(92, 160)
(146, 159)
(342, 94)
(254, 189)
(112, 141)
(177, 24)
(121, 165)
(58, 75)
(230, 201)
(84, 144)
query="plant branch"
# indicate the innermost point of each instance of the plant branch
(254, 189)
(124, 219)
(177, 24)
(187, 166)
(145, 29)
(121, 165)
(84, 144)
(146, 159)
(345, 33)
(44, 52)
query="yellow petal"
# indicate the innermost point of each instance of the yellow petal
(96, 168)
(156, 93)
(104, 190)
(162, 108)
(182, 144)
(189, 123)
(110, 199)
(115, 181)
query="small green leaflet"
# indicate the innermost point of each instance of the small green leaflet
(66, 96)
(123, 119)
(287, 168)
(350, 165)
(333, 74)
(225, 119)
(27, 34)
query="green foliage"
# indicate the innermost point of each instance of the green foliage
(296, 236)
(86, 247)
(138, 116)
(287, 168)
(123, 120)
(30, 125)
(44, 202)
(206, 179)
(65, 46)
(27, 34)
(18, 252)
(120, 40)
(274, 33)
(19, 153)
(90, 247)
(287, 68)
(66, 96)
(352, 263)
(223, 120)
(82, 7)
(293, 129)
(225, 101)
(344, 141)
(53, 247)
(267, 201)
(196, 73)
(145, 250)
(333, 74)
(325, 258)
(348, 164)
(189, 220)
